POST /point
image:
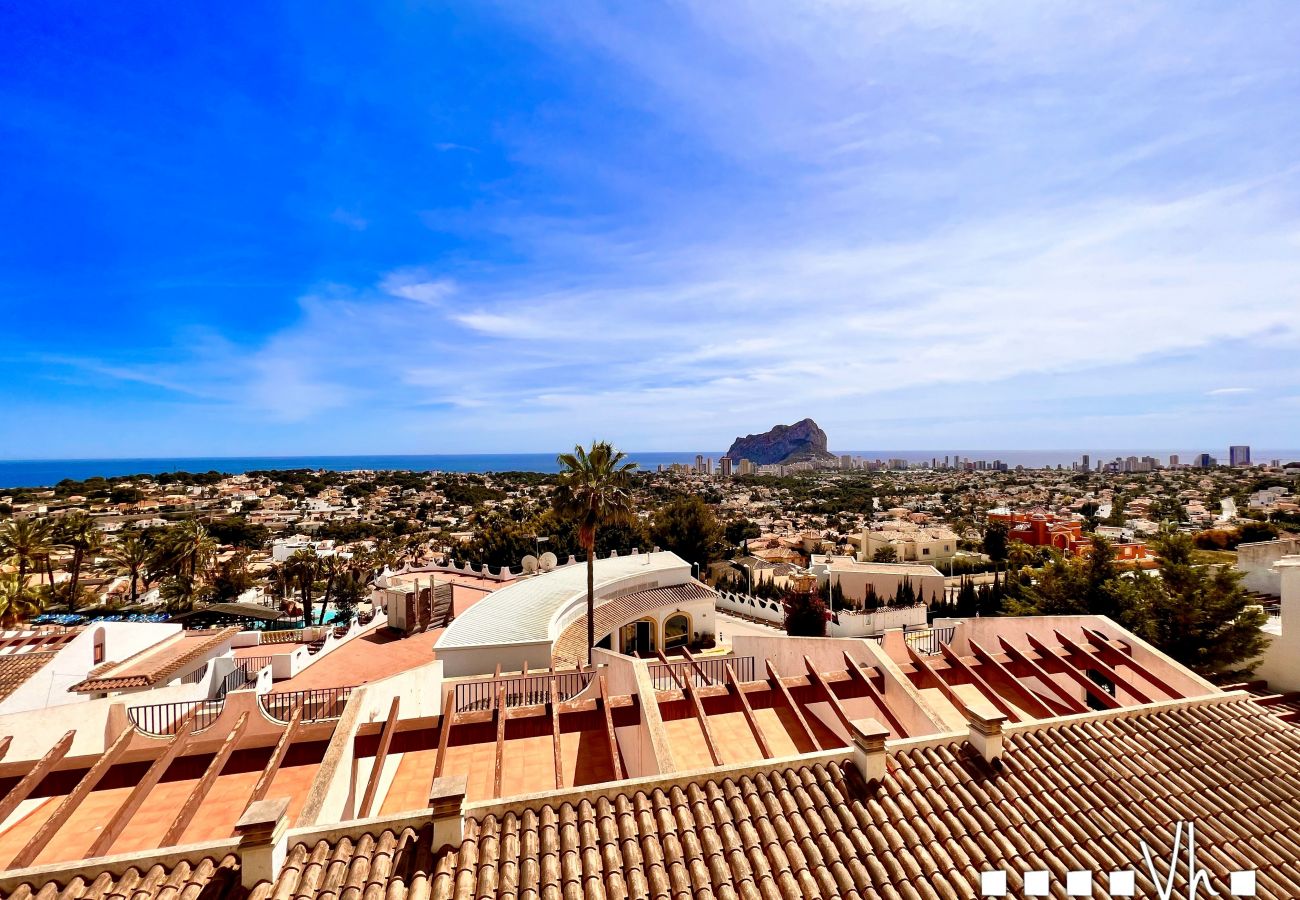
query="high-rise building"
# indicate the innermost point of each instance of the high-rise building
(1239, 455)
(724, 466)
(699, 463)
(1204, 461)
(846, 461)
(1173, 460)
(708, 466)
(1086, 461)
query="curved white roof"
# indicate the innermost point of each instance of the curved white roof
(525, 611)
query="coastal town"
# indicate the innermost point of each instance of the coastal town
(259, 684)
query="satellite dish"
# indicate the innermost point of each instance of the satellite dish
(548, 561)
(530, 564)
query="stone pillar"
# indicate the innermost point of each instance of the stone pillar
(869, 755)
(986, 733)
(263, 841)
(447, 800)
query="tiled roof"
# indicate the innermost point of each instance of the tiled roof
(571, 646)
(154, 664)
(1083, 794)
(16, 668)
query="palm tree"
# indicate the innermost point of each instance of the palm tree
(302, 567)
(133, 555)
(78, 532)
(192, 548)
(179, 593)
(26, 542)
(594, 491)
(16, 602)
(330, 567)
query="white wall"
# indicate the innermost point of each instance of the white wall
(1256, 561)
(49, 686)
(1280, 664)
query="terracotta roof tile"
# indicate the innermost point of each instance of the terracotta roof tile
(17, 668)
(154, 664)
(571, 645)
(1075, 795)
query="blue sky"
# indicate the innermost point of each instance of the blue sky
(478, 227)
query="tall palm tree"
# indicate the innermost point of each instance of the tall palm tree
(26, 542)
(192, 548)
(302, 567)
(132, 554)
(78, 532)
(594, 491)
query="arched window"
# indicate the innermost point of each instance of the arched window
(100, 647)
(677, 631)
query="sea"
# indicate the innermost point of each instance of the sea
(47, 472)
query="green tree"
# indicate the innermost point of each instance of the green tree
(740, 530)
(1201, 615)
(686, 526)
(232, 578)
(594, 491)
(77, 531)
(302, 568)
(995, 541)
(132, 555)
(886, 554)
(180, 593)
(16, 602)
(27, 542)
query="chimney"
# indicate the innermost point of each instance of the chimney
(986, 733)
(447, 800)
(263, 840)
(869, 748)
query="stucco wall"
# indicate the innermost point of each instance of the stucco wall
(1256, 561)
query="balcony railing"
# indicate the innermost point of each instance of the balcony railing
(711, 670)
(520, 690)
(317, 705)
(165, 719)
(927, 641)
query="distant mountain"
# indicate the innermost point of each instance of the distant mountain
(783, 444)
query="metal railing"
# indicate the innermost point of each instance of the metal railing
(235, 679)
(520, 690)
(712, 670)
(196, 676)
(256, 663)
(317, 704)
(926, 642)
(165, 719)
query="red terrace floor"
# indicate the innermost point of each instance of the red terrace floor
(368, 658)
(265, 650)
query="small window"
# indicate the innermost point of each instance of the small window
(925, 551)
(677, 631)
(100, 652)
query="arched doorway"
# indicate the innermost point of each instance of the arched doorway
(638, 637)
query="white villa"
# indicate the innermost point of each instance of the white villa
(645, 602)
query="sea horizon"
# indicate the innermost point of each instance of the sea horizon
(31, 473)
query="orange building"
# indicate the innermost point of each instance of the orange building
(1039, 528)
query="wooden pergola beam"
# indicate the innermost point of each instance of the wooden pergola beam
(42, 768)
(895, 724)
(501, 739)
(774, 678)
(703, 718)
(1090, 687)
(750, 718)
(1095, 662)
(609, 728)
(834, 701)
(980, 682)
(117, 824)
(4, 745)
(1150, 677)
(1038, 703)
(1061, 693)
(554, 709)
(445, 731)
(277, 757)
(672, 671)
(195, 799)
(26, 856)
(923, 666)
(381, 755)
(696, 666)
